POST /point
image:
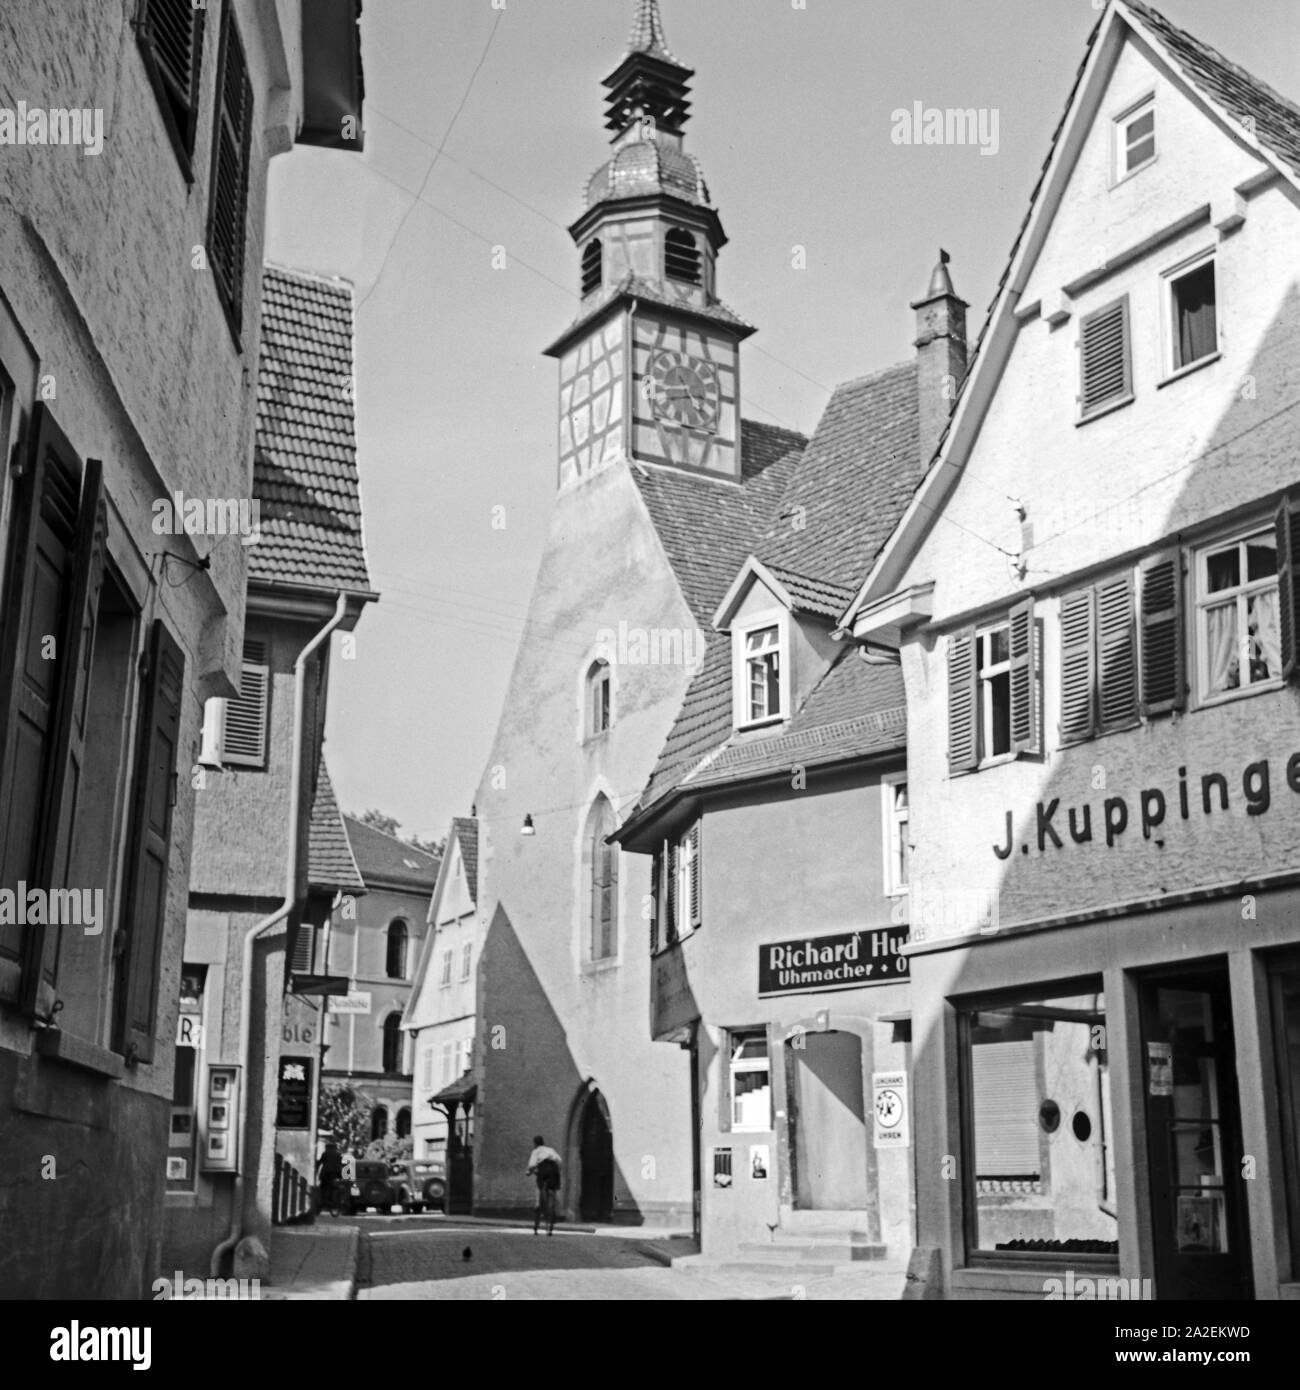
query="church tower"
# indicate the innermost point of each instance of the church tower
(650, 369)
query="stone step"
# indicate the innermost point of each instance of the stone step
(823, 1218)
(793, 1249)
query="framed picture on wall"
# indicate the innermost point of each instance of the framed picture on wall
(218, 1115)
(219, 1146)
(219, 1085)
(178, 1169)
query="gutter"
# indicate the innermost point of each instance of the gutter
(256, 930)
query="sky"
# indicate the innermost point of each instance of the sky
(483, 120)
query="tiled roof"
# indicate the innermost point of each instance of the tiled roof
(812, 595)
(329, 855)
(466, 828)
(1274, 119)
(855, 709)
(382, 856)
(305, 458)
(856, 478)
(708, 527)
(651, 292)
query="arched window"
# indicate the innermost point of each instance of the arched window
(599, 706)
(592, 265)
(397, 950)
(681, 257)
(404, 1122)
(393, 1042)
(378, 1122)
(602, 864)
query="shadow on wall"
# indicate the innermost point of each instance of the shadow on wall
(1136, 837)
(531, 1084)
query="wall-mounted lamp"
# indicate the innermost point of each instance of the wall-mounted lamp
(527, 827)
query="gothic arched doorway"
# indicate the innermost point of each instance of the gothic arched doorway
(595, 1138)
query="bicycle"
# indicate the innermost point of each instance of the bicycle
(545, 1208)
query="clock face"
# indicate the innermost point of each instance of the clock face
(684, 389)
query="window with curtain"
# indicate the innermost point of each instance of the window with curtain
(1238, 633)
(397, 939)
(1194, 315)
(602, 860)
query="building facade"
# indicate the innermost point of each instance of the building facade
(244, 1098)
(135, 152)
(661, 490)
(377, 947)
(1095, 601)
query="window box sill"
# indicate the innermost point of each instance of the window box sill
(1207, 361)
(753, 726)
(997, 761)
(600, 967)
(1120, 179)
(1230, 697)
(76, 1052)
(1106, 409)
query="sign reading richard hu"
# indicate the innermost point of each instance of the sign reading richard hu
(847, 960)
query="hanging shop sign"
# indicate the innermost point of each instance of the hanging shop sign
(846, 960)
(357, 1002)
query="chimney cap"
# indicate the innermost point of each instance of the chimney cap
(941, 286)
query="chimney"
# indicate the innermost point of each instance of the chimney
(940, 355)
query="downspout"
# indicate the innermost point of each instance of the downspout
(256, 930)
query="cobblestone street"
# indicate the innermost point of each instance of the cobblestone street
(402, 1261)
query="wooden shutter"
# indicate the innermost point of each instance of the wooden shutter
(243, 740)
(42, 541)
(1287, 528)
(1023, 643)
(671, 903)
(695, 893)
(75, 655)
(228, 195)
(171, 37)
(1005, 1103)
(1117, 698)
(1078, 666)
(1104, 361)
(304, 941)
(656, 880)
(144, 914)
(963, 742)
(1164, 685)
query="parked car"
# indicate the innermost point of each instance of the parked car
(373, 1185)
(423, 1183)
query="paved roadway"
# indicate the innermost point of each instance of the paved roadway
(425, 1258)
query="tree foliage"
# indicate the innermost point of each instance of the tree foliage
(344, 1116)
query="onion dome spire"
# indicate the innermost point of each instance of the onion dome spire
(649, 87)
(648, 31)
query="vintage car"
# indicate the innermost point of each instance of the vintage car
(373, 1185)
(422, 1183)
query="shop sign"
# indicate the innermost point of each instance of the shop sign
(189, 1030)
(293, 1110)
(846, 960)
(355, 1002)
(893, 1127)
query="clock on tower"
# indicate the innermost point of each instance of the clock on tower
(650, 369)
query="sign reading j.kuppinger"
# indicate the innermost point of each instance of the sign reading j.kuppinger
(846, 960)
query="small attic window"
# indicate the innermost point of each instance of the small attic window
(760, 674)
(681, 257)
(593, 256)
(1135, 139)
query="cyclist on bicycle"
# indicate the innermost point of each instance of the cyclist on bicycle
(329, 1174)
(544, 1165)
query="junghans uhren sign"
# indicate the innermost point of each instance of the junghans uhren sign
(1149, 810)
(847, 960)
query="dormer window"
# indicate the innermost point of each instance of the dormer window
(1135, 139)
(681, 257)
(593, 259)
(761, 677)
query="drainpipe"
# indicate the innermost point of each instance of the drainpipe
(256, 930)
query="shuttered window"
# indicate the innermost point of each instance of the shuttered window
(688, 870)
(243, 741)
(963, 743)
(304, 949)
(228, 195)
(1287, 532)
(592, 265)
(144, 915)
(681, 257)
(1105, 359)
(170, 34)
(656, 881)
(1098, 659)
(1025, 717)
(1163, 660)
(1004, 1092)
